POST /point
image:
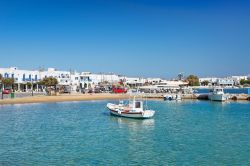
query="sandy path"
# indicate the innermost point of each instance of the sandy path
(61, 98)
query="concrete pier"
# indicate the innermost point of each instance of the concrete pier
(199, 96)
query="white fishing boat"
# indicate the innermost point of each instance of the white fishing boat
(135, 109)
(217, 94)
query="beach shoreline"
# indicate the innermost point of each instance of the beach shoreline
(99, 96)
(64, 98)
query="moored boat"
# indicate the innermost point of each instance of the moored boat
(172, 97)
(135, 109)
(217, 94)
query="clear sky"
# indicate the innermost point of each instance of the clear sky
(157, 38)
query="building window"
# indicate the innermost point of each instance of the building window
(23, 77)
(6, 75)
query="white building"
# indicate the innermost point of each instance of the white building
(26, 79)
(63, 77)
(134, 81)
(75, 81)
(89, 80)
(213, 81)
(21, 77)
(154, 80)
(238, 78)
(225, 82)
(165, 85)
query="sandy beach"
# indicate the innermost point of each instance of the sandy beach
(62, 98)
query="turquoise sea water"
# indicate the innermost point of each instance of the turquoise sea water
(83, 133)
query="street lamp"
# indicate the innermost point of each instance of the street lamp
(2, 89)
(32, 94)
(32, 86)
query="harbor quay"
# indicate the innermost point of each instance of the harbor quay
(232, 97)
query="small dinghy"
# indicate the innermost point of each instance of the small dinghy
(172, 97)
(135, 109)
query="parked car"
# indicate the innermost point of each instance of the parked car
(119, 89)
(6, 91)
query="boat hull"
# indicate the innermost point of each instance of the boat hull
(217, 97)
(115, 110)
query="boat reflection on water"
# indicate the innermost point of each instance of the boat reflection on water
(137, 135)
(133, 123)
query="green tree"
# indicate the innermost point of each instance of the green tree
(193, 80)
(205, 83)
(8, 82)
(29, 84)
(40, 82)
(244, 82)
(49, 82)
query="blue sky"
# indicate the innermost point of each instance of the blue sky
(132, 37)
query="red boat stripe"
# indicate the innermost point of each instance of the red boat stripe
(126, 112)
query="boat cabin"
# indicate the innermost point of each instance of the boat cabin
(137, 106)
(217, 90)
